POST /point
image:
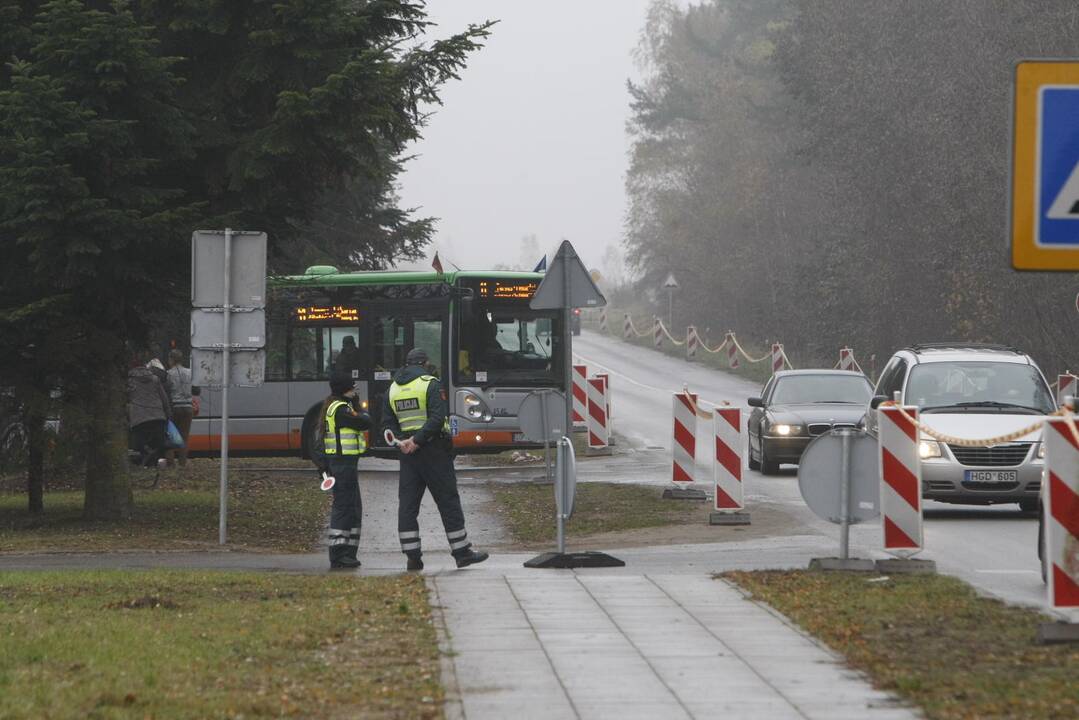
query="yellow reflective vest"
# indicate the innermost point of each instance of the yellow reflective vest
(409, 403)
(350, 440)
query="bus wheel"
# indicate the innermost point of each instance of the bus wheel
(309, 431)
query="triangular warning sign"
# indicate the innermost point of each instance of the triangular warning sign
(1066, 204)
(567, 284)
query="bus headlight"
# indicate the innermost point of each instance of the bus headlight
(474, 407)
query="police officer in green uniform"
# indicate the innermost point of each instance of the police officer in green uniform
(343, 443)
(415, 409)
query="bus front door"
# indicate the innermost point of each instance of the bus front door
(392, 336)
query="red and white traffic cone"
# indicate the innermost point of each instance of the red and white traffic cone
(598, 428)
(727, 468)
(846, 359)
(900, 485)
(580, 396)
(1066, 385)
(778, 361)
(691, 342)
(732, 352)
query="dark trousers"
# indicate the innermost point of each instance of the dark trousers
(430, 468)
(148, 438)
(347, 511)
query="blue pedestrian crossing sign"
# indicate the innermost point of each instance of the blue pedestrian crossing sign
(1045, 166)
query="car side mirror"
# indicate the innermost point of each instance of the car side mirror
(877, 400)
(756, 402)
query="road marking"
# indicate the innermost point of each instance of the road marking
(1009, 572)
(624, 377)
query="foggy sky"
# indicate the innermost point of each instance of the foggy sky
(532, 139)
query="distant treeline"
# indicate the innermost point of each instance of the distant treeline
(836, 172)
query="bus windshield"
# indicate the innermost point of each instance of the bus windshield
(503, 341)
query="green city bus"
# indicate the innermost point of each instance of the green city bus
(485, 343)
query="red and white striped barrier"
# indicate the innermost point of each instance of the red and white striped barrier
(727, 466)
(732, 352)
(603, 320)
(580, 394)
(900, 481)
(627, 327)
(846, 359)
(606, 378)
(691, 342)
(684, 447)
(1062, 513)
(1066, 385)
(778, 359)
(598, 425)
(657, 333)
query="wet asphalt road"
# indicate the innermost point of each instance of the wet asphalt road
(993, 548)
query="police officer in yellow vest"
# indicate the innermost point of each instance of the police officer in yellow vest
(343, 443)
(416, 411)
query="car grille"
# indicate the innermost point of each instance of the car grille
(999, 456)
(821, 428)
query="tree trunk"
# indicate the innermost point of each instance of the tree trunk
(108, 486)
(35, 467)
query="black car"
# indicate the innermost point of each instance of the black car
(796, 406)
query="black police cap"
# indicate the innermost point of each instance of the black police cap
(416, 356)
(341, 382)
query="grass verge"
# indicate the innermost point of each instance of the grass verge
(224, 645)
(271, 511)
(932, 640)
(528, 509)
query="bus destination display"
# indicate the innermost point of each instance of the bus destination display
(508, 289)
(329, 313)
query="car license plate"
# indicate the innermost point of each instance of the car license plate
(992, 476)
(518, 437)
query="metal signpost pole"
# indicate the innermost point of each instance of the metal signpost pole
(567, 363)
(844, 497)
(222, 521)
(670, 307)
(560, 506)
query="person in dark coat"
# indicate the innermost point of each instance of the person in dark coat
(343, 426)
(148, 411)
(416, 411)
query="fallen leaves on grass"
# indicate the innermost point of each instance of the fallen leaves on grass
(931, 639)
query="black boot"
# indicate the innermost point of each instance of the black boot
(341, 560)
(415, 562)
(470, 557)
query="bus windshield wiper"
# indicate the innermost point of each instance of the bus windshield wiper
(998, 404)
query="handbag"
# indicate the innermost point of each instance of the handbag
(173, 438)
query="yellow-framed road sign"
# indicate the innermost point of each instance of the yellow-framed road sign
(1045, 166)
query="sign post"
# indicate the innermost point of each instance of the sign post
(228, 279)
(568, 285)
(670, 283)
(1044, 213)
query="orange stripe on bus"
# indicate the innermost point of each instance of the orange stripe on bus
(473, 439)
(255, 441)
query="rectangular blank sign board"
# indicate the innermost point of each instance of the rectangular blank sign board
(247, 329)
(247, 368)
(247, 284)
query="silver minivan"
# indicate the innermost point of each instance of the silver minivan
(972, 391)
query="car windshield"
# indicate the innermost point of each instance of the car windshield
(991, 385)
(821, 389)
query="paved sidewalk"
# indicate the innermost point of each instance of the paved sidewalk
(559, 644)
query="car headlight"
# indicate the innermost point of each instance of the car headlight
(928, 449)
(786, 429)
(1041, 451)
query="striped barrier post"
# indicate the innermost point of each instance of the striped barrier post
(1066, 385)
(732, 352)
(900, 481)
(1062, 513)
(598, 427)
(627, 327)
(606, 378)
(727, 468)
(603, 320)
(580, 395)
(846, 359)
(657, 333)
(691, 342)
(684, 447)
(777, 358)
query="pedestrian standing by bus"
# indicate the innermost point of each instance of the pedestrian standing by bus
(148, 410)
(343, 443)
(416, 411)
(180, 397)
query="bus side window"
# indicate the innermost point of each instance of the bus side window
(304, 353)
(276, 350)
